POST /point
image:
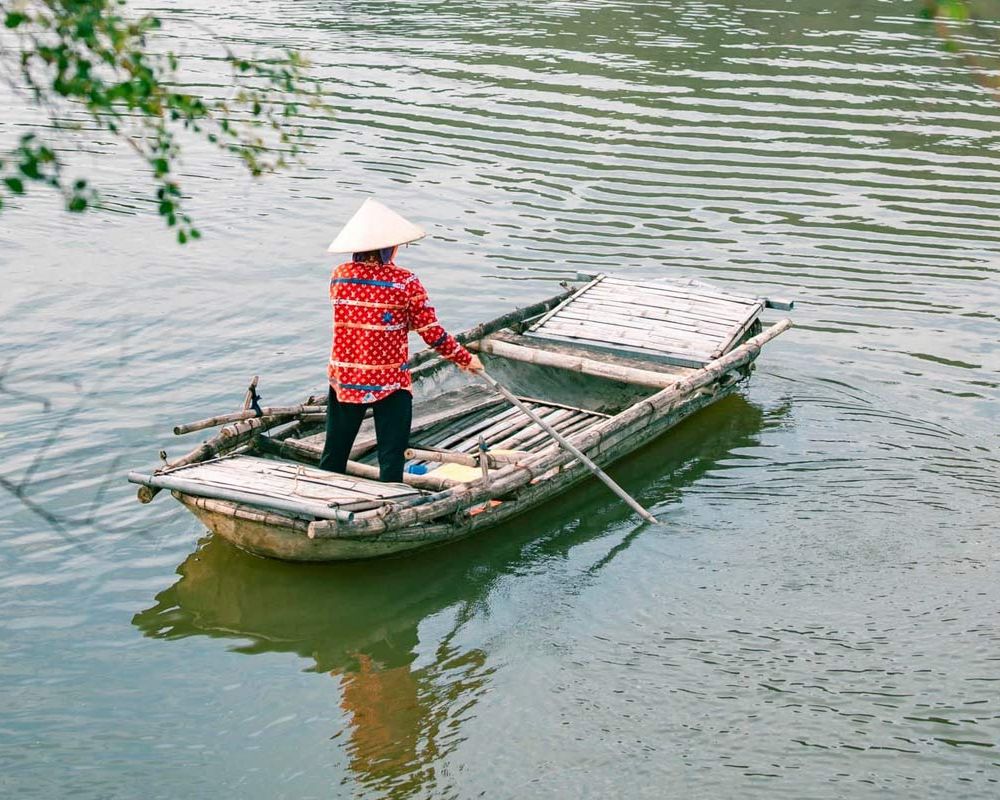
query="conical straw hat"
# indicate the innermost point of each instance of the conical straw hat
(373, 227)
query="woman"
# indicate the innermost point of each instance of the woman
(375, 305)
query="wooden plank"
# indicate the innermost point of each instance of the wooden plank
(677, 289)
(473, 430)
(534, 433)
(647, 337)
(691, 314)
(731, 311)
(543, 439)
(553, 404)
(657, 327)
(288, 490)
(738, 331)
(672, 315)
(609, 335)
(469, 442)
(545, 317)
(263, 475)
(513, 441)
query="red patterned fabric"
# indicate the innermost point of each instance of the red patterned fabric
(374, 308)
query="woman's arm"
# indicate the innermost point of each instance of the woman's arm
(424, 321)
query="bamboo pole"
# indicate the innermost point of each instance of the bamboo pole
(484, 461)
(515, 476)
(582, 364)
(247, 513)
(442, 457)
(239, 416)
(248, 397)
(467, 459)
(567, 445)
(228, 438)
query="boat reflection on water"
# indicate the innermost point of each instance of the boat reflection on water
(406, 685)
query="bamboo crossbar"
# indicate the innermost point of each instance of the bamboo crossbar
(582, 364)
(469, 460)
(239, 416)
(515, 476)
(226, 440)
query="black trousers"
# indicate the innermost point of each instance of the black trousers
(393, 415)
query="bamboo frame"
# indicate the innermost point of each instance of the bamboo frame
(513, 477)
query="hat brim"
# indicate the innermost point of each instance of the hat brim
(373, 227)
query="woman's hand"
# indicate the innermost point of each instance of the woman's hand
(475, 365)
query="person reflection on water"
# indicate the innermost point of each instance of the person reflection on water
(375, 306)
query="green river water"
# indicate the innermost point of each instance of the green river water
(820, 617)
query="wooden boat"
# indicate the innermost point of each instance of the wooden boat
(611, 365)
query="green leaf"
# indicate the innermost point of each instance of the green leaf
(77, 204)
(29, 167)
(16, 185)
(182, 237)
(14, 18)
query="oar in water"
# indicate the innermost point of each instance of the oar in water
(600, 473)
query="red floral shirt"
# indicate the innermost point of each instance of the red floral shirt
(374, 309)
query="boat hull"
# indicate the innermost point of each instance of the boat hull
(275, 535)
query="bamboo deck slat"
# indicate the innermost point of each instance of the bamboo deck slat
(681, 324)
(271, 480)
(426, 415)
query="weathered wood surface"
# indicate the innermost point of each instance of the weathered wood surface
(201, 488)
(273, 484)
(567, 445)
(683, 324)
(512, 429)
(225, 441)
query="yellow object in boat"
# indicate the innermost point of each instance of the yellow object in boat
(457, 472)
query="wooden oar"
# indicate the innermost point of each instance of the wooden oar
(600, 473)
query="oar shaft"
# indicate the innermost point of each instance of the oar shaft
(567, 445)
